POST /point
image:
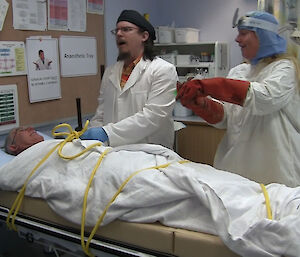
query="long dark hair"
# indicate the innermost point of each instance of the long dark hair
(149, 52)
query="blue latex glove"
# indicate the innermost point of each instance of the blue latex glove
(95, 134)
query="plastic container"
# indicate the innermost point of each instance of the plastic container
(171, 58)
(183, 59)
(165, 35)
(186, 35)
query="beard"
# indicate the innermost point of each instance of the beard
(123, 56)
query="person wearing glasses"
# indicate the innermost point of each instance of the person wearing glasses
(137, 94)
(258, 105)
(19, 139)
(42, 63)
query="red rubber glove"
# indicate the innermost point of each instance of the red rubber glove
(228, 90)
(208, 109)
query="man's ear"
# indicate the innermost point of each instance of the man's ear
(13, 149)
(145, 35)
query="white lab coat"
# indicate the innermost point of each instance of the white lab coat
(262, 141)
(141, 112)
(43, 65)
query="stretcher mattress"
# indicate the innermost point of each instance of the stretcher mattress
(154, 238)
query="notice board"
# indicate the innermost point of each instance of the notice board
(84, 87)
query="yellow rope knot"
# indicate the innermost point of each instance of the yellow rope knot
(72, 134)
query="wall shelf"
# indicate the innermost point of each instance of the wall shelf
(216, 57)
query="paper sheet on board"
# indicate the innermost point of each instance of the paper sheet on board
(3, 12)
(29, 15)
(12, 58)
(68, 15)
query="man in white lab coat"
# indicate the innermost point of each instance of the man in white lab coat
(42, 63)
(137, 94)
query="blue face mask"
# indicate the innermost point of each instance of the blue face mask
(270, 43)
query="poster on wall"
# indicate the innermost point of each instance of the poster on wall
(3, 12)
(78, 56)
(95, 6)
(9, 109)
(43, 69)
(68, 15)
(29, 15)
(12, 58)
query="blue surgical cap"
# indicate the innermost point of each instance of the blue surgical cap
(270, 43)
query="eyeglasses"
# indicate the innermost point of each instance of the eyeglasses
(123, 30)
(16, 132)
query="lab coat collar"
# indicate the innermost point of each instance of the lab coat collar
(115, 75)
(138, 70)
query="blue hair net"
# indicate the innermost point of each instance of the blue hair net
(270, 43)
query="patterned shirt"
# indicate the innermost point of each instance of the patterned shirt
(127, 71)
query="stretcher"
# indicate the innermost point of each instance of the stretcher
(38, 223)
(156, 212)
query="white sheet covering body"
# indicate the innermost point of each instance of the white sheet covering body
(192, 196)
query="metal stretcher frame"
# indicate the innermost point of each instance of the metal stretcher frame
(55, 237)
(118, 238)
(68, 240)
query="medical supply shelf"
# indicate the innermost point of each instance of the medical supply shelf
(210, 58)
(198, 141)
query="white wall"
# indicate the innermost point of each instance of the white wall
(213, 18)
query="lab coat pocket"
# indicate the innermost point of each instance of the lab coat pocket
(139, 98)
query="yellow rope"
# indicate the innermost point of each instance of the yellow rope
(85, 249)
(100, 219)
(84, 205)
(268, 205)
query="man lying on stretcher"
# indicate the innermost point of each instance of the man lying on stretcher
(149, 183)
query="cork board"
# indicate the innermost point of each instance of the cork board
(85, 87)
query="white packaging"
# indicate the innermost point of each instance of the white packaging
(186, 35)
(165, 35)
(183, 59)
(169, 58)
(181, 111)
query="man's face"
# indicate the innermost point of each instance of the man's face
(130, 41)
(42, 56)
(248, 42)
(24, 137)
